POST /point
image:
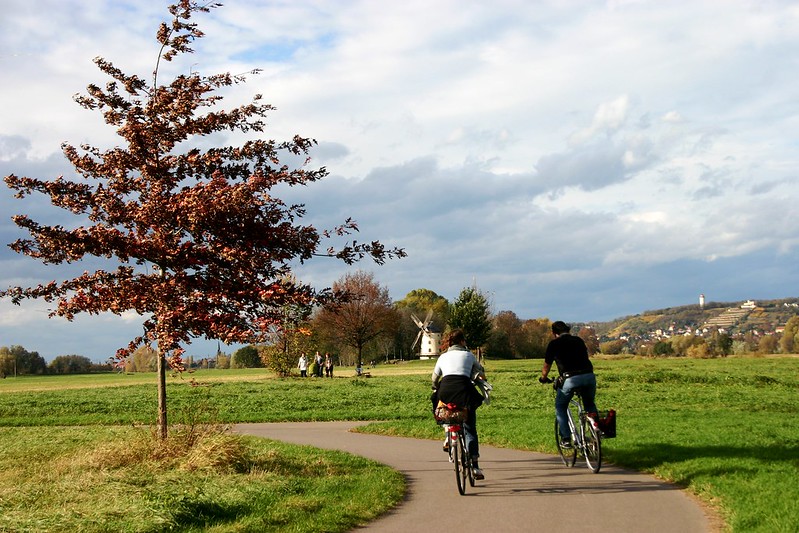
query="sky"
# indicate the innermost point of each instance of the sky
(574, 160)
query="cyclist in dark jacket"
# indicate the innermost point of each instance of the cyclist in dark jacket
(576, 373)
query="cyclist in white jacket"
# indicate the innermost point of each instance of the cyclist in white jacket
(453, 383)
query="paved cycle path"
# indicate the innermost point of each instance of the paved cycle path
(522, 491)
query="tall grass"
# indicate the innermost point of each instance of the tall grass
(118, 480)
(723, 428)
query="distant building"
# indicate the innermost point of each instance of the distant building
(431, 343)
(748, 304)
(701, 301)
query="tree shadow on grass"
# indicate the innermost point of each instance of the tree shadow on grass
(722, 459)
(189, 514)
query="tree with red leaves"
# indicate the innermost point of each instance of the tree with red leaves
(197, 244)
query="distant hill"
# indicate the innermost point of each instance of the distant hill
(764, 316)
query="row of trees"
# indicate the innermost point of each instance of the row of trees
(369, 326)
(17, 361)
(366, 325)
(380, 329)
(375, 328)
(372, 327)
(363, 324)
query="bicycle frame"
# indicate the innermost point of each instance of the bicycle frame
(585, 436)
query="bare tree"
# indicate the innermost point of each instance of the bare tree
(366, 314)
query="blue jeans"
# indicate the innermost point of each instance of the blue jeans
(470, 429)
(586, 384)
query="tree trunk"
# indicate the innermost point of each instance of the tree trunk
(162, 428)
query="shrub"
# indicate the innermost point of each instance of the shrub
(613, 347)
(662, 348)
(698, 351)
(281, 362)
(246, 357)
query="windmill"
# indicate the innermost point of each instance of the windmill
(430, 337)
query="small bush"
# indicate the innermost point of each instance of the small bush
(187, 448)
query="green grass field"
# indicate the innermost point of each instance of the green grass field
(726, 429)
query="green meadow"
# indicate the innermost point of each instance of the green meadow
(77, 454)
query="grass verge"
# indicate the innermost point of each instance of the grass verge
(103, 479)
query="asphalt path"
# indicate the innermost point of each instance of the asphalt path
(522, 491)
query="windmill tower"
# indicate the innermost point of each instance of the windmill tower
(431, 339)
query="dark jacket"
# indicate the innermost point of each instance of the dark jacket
(570, 354)
(460, 391)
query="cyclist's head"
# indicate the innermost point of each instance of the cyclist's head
(456, 336)
(560, 327)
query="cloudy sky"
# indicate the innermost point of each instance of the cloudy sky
(576, 160)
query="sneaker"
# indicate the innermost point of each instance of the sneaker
(565, 443)
(446, 446)
(478, 474)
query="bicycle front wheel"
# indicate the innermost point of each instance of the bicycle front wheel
(592, 446)
(567, 455)
(460, 466)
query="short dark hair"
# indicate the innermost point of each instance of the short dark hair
(560, 327)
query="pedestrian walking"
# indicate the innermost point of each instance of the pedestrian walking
(320, 362)
(328, 365)
(302, 364)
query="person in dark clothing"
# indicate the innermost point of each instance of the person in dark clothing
(576, 374)
(320, 362)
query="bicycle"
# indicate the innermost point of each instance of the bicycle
(585, 438)
(456, 443)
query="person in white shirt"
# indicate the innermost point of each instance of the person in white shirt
(453, 383)
(303, 366)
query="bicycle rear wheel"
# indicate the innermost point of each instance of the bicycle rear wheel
(460, 467)
(567, 455)
(592, 446)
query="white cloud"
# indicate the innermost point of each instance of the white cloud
(585, 160)
(609, 118)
